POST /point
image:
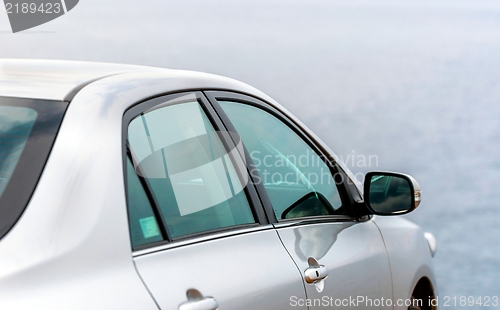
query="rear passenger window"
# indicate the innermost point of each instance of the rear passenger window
(144, 227)
(177, 157)
(15, 128)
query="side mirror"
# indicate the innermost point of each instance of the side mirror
(389, 193)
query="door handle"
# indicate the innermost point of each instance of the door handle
(315, 274)
(207, 303)
(196, 301)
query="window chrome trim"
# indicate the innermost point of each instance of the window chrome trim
(194, 240)
(311, 220)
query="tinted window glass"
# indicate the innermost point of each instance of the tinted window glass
(28, 128)
(191, 176)
(16, 124)
(297, 180)
(144, 227)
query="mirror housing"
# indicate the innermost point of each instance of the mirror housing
(390, 193)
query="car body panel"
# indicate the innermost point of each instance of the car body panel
(349, 251)
(71, 248)
(408, 253)
(53, 79)
(245, 271)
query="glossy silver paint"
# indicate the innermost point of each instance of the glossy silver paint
(349, 251)
(52, 79)
(245, 271)
(408, 254)
(431, 240)
(71, 248)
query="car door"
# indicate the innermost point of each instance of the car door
(200, 236)
(342, 259)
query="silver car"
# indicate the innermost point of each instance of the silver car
(128, 187)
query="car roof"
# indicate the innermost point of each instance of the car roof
(61, 80)
(57, 79)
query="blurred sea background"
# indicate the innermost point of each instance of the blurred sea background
(415, 83)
